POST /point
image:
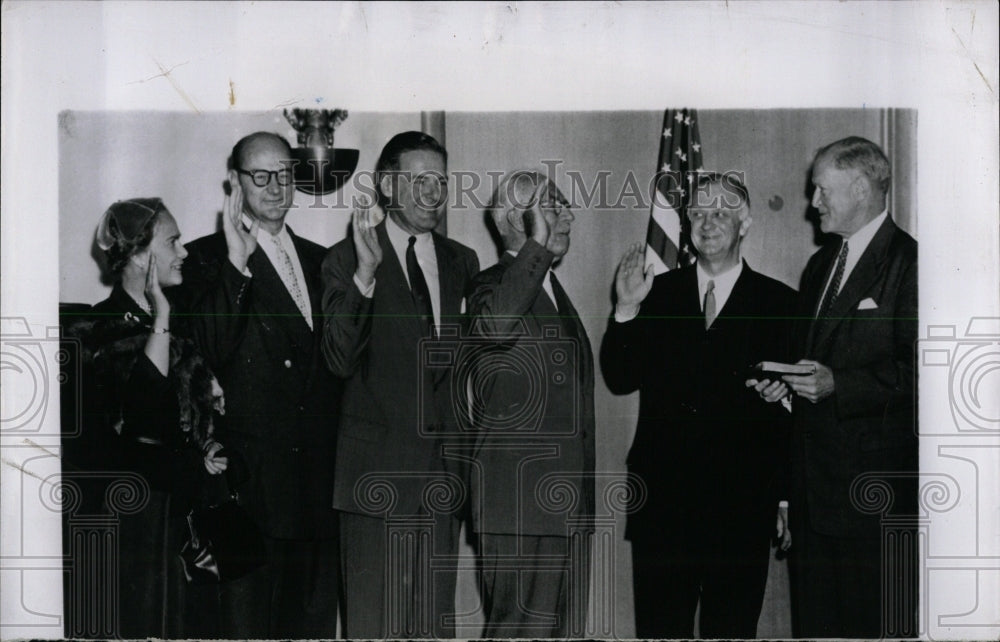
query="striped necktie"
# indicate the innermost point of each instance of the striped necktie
(834, 289)
(709, 304)
(287, 272)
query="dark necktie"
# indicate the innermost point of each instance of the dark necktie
(709, 303)
(834, 289)
(418, 287)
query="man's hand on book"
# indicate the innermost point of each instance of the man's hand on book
(815, 387)
(770, 390)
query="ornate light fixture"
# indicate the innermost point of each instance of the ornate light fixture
(321, 169)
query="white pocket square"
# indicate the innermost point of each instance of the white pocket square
(868, 304)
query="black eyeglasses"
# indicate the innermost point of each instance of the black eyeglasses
(262, 177)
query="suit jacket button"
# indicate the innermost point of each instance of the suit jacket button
(288, 363)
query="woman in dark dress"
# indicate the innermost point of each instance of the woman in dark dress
(155, 399)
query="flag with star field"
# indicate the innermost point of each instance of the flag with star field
(668, 242)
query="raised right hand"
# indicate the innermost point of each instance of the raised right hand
(633, 281)
(240, 242)
(534, 221)
(366, 246)
(154, 294)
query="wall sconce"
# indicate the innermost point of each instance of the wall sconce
(321, 169)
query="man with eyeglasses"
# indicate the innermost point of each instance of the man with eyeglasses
(388, 287)
(252, 292)
(710, 452)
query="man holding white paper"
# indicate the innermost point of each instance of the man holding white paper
(709, 451)
(855, 416)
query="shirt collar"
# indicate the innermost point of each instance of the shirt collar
(281, 237)
(400, 238)
(858, 241)
(724, 280)
(724, 284)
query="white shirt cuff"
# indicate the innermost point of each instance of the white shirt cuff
(625, 318)
(366, 291)
(783, 503)
(246, 270)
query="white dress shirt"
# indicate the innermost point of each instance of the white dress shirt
(426, 258)
(857, 243)
(724, 283)
(267, 242)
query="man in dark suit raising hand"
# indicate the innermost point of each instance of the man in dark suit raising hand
(253, 294)
(388, 288)
(710, 452)
(534, 424)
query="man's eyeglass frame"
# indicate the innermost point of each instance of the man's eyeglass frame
(259, 175)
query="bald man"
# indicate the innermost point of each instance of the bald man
(253, 291)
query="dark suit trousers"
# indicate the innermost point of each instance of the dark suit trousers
(838, 587)
(534, 587)
(726, 567)
(293, 596)
(411, 596)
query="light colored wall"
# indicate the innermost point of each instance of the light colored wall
(774, 148)
(109, 156)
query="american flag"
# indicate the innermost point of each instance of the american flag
(668, 242)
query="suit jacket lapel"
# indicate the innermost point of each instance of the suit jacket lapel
(311, 274)
(739, 298)
(689, 303)
(269, 288)
(571, 321)
(809, 297)
(279, 309)
(865, 273)
(449, 282)
(314, 288)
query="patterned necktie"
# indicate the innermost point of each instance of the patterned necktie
(418, 287)
(834, 289)
(287, 272)
(709, 304)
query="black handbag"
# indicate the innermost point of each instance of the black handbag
(225, 544)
